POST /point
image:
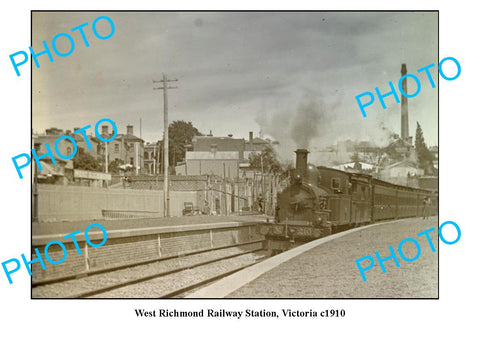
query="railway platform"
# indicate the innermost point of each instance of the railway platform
(48, 228)
(326, 268)
(136, 241)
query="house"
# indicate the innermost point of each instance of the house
(356, 167)
(60, 173)
(127, 148)
(221, 156)
(221, 163)
(401, 172)
(255, 145)
(151, 158)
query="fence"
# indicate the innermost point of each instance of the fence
(74, 203)
(141, 198)
(220, 196)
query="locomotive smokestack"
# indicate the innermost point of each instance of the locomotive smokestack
(301, 163)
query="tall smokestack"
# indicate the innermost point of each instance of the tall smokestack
(405, 135)
(301, 163)
(250, 137)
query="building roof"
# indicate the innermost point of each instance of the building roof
(204, 155)
(258, 140)
(48, 170)
(364, 166)
(205, 143)
(404, 163)
(129, 138)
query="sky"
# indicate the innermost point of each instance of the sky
(292, 76)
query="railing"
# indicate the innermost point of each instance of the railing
(123, 214)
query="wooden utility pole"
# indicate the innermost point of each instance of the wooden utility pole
(166, 191)
(106, 157)
(35, 186)
(263, 186)
(225, 189)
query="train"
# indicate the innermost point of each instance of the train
(320, 201)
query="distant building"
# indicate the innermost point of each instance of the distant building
(96, 145)
(434, 151)
(401, 172)
(211, 155)
(151, 158)
(356, 167)
(126, 148)
(254, 145)
(56, 171)
(210, 163)
(60, 173)
(215, 144)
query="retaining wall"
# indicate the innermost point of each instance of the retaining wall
(125, 247)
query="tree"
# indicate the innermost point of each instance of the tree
(113, 166)
(270, 161)
(392, 153)
(180, 133)
(424, 156)
(85, 161)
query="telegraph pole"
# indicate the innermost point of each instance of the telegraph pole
(166, 193)
(106, 157)
(264, 197)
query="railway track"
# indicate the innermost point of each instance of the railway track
(181, 292)
(167, 277)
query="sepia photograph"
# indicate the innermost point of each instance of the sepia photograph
(234, 155)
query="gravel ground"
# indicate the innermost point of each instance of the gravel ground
(67, 227)
(73, 287)
(160, 286)
(330, 271)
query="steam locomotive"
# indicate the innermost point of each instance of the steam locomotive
(320, 201)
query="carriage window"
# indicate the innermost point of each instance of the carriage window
(335, 183)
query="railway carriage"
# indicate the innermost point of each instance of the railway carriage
(349, 197)
(320, 201)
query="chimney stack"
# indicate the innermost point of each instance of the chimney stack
(130, 130)
(104, 130)
(301, 162)
(404, 107)
(250, 137)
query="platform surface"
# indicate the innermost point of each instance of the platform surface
(52, 228)
(326, 268)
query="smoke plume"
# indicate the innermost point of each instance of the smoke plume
(315, 125)
(306, 124)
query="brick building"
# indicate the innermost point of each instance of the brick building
(220, 156)
(126, 147)
(151, 158)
